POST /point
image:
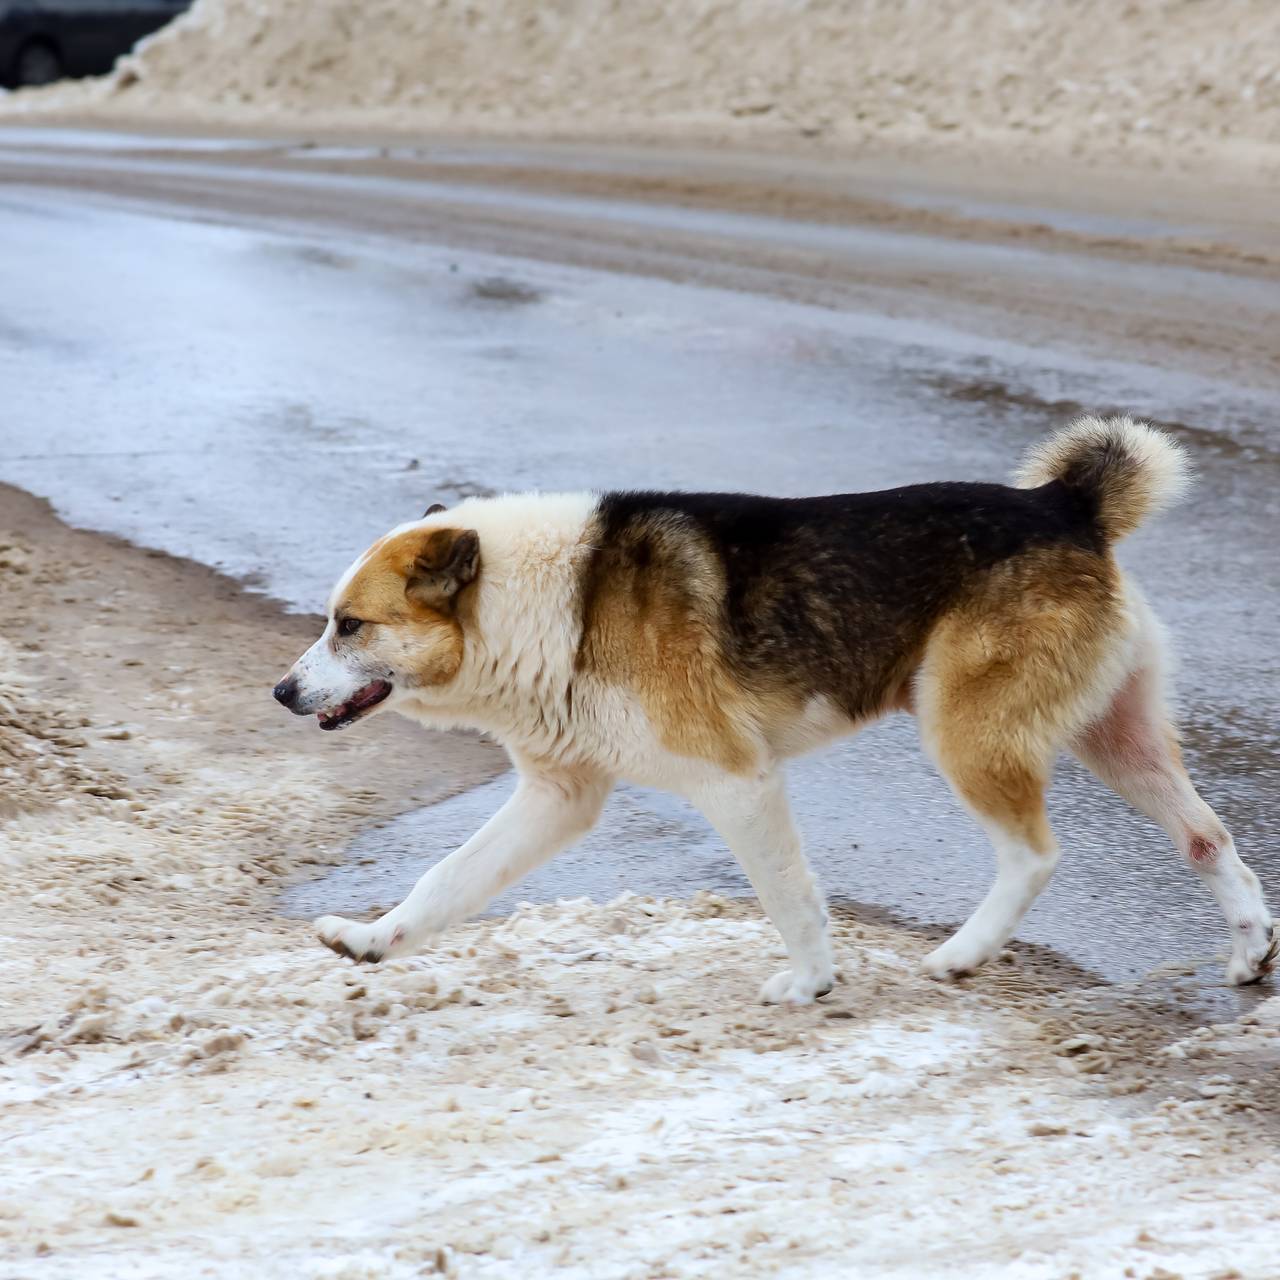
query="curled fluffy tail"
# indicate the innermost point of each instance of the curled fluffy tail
(1121, 470)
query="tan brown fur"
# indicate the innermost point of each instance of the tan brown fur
(424, 626)
(1013, 671)
(653, 623)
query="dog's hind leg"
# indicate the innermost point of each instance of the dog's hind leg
(755, 820)
(1005, 793)
(1133, 748)
(1007, 678)
(548, 811)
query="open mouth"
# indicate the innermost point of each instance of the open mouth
(346, 713)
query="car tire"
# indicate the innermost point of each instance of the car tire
(37, 63)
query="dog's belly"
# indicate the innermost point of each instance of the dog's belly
(819, 723)
(622, 740)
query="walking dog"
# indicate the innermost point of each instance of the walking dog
(696, 641)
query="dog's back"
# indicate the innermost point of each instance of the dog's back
(832, 596)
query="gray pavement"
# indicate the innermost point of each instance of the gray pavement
(265, 392)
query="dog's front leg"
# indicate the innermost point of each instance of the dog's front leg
(755, 820)
(548, 811)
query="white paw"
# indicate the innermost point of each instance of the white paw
(1254, 953)
(788, 987)
(958, 956)
(366, 943)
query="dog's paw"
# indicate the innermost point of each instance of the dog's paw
(957, 957)
(789, 987)
(1255, 953)
(363, 943)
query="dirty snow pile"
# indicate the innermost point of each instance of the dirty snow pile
(583, 1091)
(1168, 80)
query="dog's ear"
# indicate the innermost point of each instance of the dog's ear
(432, 509)
(445, 562)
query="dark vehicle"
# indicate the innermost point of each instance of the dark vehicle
(44, 40)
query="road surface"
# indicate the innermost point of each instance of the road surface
(262, 354)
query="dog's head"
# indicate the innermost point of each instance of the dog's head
(395, 626)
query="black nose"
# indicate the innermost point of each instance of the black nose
(286, 692)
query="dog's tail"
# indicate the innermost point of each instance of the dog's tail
(1120, 470)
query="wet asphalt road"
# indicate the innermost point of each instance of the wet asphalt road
(249, 368)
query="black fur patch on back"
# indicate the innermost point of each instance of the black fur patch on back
(832, 595)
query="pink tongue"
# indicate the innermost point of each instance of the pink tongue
(366, 695)
(357, 702)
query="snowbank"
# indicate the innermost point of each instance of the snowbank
(1164, 79)
(584, 1091)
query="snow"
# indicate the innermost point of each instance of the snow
(1165, 81)
(506, 1107)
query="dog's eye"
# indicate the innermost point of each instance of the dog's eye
(349, 626)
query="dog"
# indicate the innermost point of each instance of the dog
(696, 641)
